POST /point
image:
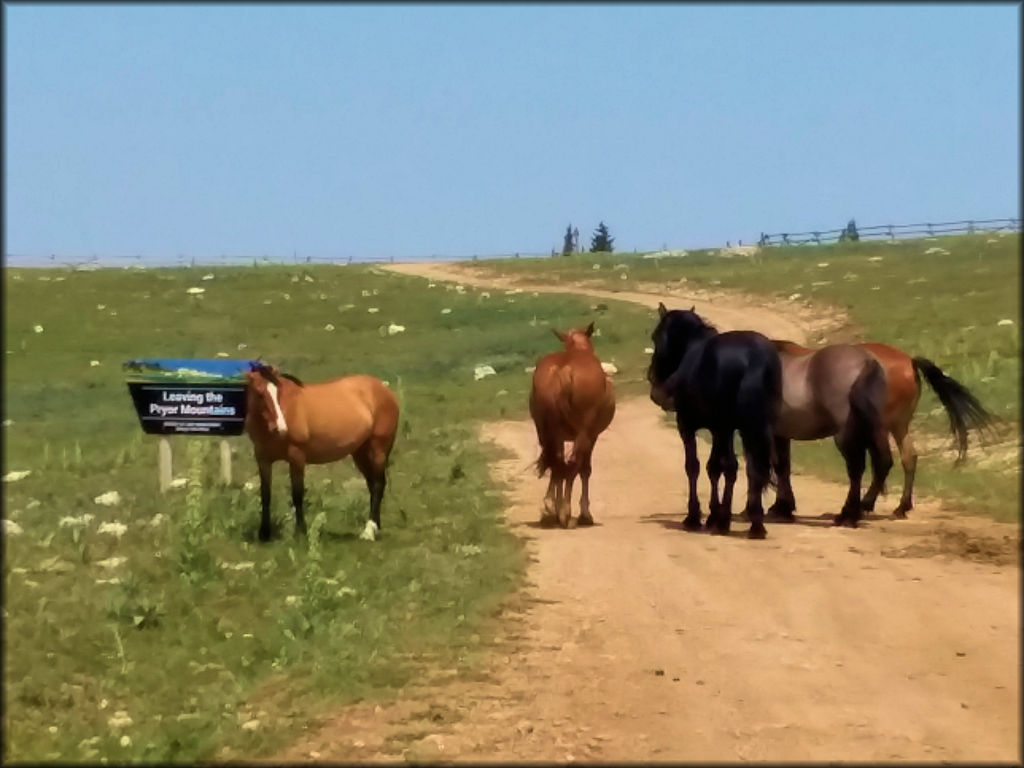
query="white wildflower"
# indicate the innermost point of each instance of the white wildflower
(243, 566)
(251, 725)
(111, 562)
(329, 327)
(623, 276)
(794, 296)
(609, 368)
(75, 522)
(648, 350)
(446, 311)
(16, 475)
(126, 740)
(596, 267)
(295, 278)
(196, 291)
(114, 580)
(101, 307)
(876, 287)
(530, 368)
(242, 345)
(38, 329)
(53, 729)
(104, 704)
(482, 371)
(823, 264)
(287, 296)
(430, 285)
(308, 279)
(292, 600)
(157, 519)
(8, 422)
(394, 328)
(120, 720)
(936, 249)
(366, 293)
(874, 258)
(485, 295)
(115, 529)
(179, 482)
(94, 363)
(460, 289)
(372, 310)
(821, 282)
(11, 528)
(108, 499)
(249, 485)
(1005, 321)
(207, 276)
(223, 354)
(267, 301)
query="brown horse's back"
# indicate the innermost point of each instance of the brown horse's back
(334, 419)
(571, 394)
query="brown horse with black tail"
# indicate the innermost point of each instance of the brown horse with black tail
(319, 423)
(903, 374)
(571, 400)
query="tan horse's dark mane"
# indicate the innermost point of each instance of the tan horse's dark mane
(267, 372)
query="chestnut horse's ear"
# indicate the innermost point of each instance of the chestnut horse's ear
(590, 329)
(559, 334)
(662, 310)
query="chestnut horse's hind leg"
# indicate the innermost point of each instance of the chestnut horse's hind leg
(908, 458)
(265, 480)
(583, 453)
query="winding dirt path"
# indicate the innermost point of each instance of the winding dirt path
(635, 640)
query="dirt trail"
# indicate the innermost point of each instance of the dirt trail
(638, 641)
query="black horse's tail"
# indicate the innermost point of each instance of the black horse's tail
(963, 408)
(759, 399)
(867, 401)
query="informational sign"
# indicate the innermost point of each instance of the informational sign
(189, 396)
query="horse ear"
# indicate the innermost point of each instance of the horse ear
(559, 334)
(662, 310)
(693, 308)
(590, 329)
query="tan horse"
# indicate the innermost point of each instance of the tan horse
(319, 423)
(572, 400)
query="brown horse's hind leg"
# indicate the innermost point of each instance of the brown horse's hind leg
(297, 471)
(908, 458)
(556, 467)
(372, 459)
(785, 502)
(583, 454)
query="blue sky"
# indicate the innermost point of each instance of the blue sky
(335, 130)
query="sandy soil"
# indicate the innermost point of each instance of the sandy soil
(635, 640)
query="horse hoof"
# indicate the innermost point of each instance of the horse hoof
(842, 519)
(691, 525)
(781, 516)
(757, 532)
(264, 536)
(584, 520)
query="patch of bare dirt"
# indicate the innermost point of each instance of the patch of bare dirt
(635, 640)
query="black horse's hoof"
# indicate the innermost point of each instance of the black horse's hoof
(781, 515)
(757, 532)
(691, 524)
(263, 535)
(844, 519)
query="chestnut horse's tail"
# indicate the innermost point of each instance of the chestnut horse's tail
(963, 408)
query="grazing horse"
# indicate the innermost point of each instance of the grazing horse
(571, 400)
(317, 424)
(903, 390)
(722, 382)
(836, 391)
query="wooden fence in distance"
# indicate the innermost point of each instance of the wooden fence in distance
(892, 231)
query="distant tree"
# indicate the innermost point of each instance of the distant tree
(850, 233)
(567, 242)
(601, 240)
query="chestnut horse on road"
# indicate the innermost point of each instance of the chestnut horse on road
(319, 423)
(572, 400)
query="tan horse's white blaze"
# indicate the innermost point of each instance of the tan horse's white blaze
(282, 427)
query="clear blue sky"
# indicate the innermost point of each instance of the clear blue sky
(412, 130)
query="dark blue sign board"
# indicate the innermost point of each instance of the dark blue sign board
(189, 395)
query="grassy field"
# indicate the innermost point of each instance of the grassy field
(954, 300)
(157, 629)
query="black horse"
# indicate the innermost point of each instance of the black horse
(722, 382)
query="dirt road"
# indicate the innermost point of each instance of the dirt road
(636, 640)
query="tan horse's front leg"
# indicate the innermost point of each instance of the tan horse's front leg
(297, 471)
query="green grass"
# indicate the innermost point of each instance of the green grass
(945, 305)
(200, 629)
